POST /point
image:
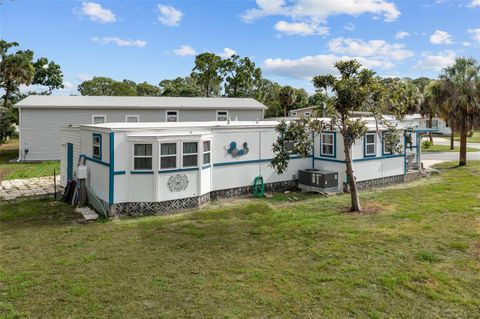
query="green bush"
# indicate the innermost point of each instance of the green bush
(426, 145)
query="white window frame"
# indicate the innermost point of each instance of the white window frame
(141, 156)
(385, 144)
(332, 144)
(132, 116)
(97, 145)
(186, 154)
(176, 111)
(206, 152)
(226, 115)
(170, 155)
(99, 115)
(374, 144)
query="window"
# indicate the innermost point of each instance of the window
(327, 142)
(171, 116)
(387, 148)
(132, 118)
(97, 146)
(168, 155)
(294, 114)
(222, 115)
(190, 154)
(142, 156)
(206, 152)
(307, 114)
(99, 119)
(369, 144)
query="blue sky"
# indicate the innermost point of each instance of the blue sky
(291, 40)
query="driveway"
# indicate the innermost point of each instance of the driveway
(430, 159)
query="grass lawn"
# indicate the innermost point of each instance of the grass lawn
(446, 148)
(415, 254)
(22, 170)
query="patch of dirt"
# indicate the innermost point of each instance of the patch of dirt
(369, 208)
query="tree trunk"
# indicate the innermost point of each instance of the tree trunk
(430, 126)
(452, 135)
(285, 110)
(352, 184)
(463, 144)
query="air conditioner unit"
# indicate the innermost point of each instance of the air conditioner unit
(316, 180)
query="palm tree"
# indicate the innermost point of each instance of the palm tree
(287, 98)
(461, 84)
(429, 104)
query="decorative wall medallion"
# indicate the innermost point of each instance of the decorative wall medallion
(235, 152)
(177, 183)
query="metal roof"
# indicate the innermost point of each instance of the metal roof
(180, 125)
(145, 102)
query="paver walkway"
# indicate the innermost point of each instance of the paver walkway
(17, 188)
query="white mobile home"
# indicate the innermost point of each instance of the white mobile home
(42, 117)
(438, 126)
(156, 167)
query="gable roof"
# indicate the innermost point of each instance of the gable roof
(142, 102)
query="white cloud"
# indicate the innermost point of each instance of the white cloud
(120, 42)
(306, 67)
(321, 10)
(441, 37)
(401, 35)
(226, 53)
(168, 15)
(300, 28)
(97, 13)
(466, 44)
(67, 85)
(308, 17)
(377, 49)
(184, 50)
(435, 62)
(475, 33)
(83, 77)
(474, 3)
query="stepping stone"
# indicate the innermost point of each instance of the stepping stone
(87, 213)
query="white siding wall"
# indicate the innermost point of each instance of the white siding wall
(40, 128)
(69, 135)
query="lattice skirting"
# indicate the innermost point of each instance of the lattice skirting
(171, 206)
(379, 182)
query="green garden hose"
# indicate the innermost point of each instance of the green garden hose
(258, 187)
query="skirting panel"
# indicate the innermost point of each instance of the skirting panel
(380, 182)
(171, 206)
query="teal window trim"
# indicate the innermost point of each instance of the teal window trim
(334, 155)
(98, 157)
(365, 154)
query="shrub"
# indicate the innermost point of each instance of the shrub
(426, 144)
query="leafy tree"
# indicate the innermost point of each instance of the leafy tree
(301, 99)
(147, 89)
(242, 77)
(15, 69)
(268, 94)
(287, 97)
(356, 89)
(124, 88)
(207, 73)
(48, 74)
(180, 87)
(320, 101)
(6, 125)
(461, 83)
(97, 86)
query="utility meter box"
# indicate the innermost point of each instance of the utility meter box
(82, 171)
